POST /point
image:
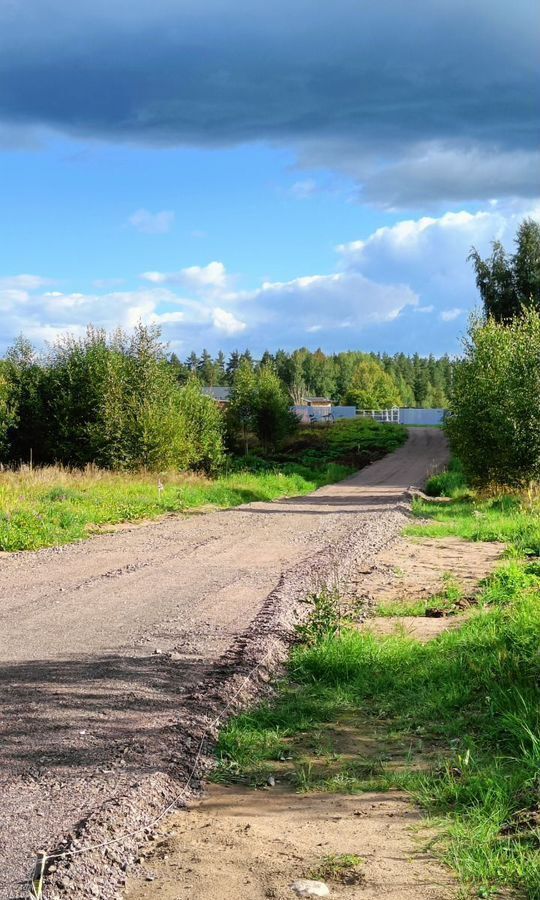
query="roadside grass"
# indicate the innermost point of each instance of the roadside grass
(445, 602)
(450, 483)
(47, 507)
(466, 705)
(507, 518)
(354, 442)
(52, 506)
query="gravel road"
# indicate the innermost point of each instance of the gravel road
(103, 641)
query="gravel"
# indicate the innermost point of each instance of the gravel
(101, 733)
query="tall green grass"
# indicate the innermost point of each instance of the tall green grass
(50, 506)
(450, 483)
(53, 506)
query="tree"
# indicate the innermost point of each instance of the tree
(27, 418)
(232, 366)
(494, 424)
(8, 411)
(241, 408)
(272, 416)
(371, 387)
(219, 369)
(192, 362)
(509, 284)
(206, 369)
(110, 399)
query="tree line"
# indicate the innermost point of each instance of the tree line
(365, 380)
(122, 401)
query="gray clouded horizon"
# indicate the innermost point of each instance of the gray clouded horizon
(420, 103)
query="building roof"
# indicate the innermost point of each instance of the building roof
(221, 394)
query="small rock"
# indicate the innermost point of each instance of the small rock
(271, 781)
(304, 887)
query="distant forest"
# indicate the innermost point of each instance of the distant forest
(361, 379)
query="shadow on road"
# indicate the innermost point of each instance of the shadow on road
(75, 713)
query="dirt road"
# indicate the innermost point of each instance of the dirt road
(102, 640)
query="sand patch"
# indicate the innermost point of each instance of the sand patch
(415, 569)
(251, 845)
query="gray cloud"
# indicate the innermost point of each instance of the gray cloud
(346, 83)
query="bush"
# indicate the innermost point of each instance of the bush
(450, 483)
(259, 405)
(494, 422)
(111, 400)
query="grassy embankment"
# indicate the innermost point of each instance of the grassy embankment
(457, 719)
(51, 506)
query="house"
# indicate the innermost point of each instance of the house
(317, 401)
(220, 394)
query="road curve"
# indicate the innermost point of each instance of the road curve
(89, 632)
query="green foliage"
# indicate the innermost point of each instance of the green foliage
(510, 284)
(242, 403)
(272, 417)
(450, 483)
(494, 424)
(53, 506)
(415, 381)
(7, 412)
(371, 387)
(111, 400)
(259, 405)
(328, 615)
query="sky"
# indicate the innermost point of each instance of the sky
(262, 175)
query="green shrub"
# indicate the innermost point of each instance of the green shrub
(450, 483)
(111, 400)
(494, 425)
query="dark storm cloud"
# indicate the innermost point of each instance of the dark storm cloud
(348, 83)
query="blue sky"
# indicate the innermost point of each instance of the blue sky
(261, 175)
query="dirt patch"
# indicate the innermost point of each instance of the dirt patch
(415, 569)
(421, 628)
(251, 845)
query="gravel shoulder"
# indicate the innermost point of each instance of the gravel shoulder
(113, 647)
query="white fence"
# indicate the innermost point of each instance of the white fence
(401, 416)
(380, 415)
(405, 415)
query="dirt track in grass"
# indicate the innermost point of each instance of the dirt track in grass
(104, 643)
(256, 843)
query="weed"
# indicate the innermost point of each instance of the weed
(342, 868)
(329, 614)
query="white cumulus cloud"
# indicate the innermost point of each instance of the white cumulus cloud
(152, 223)
(226, 322)
(196, 278)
